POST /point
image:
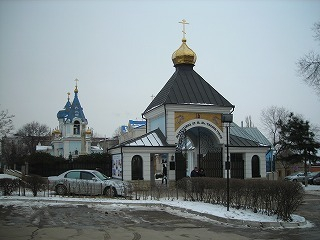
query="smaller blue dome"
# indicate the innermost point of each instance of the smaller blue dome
(62, 114)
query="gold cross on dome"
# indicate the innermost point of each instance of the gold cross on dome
(184, 22)
(76, 80)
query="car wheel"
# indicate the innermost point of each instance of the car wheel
(61, 190)
(110, 192)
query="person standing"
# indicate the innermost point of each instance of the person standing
(164, 174)
(201, 173)
(195, 172)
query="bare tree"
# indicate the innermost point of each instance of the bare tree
(13, 148)
(31, 133)
(269, 119)
(316, 130)
(309, 65)
(117, 133)
(249, 122)
(6, 125)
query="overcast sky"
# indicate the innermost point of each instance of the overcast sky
(121, 53)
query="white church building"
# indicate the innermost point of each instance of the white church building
(72, 137)
(186, 127)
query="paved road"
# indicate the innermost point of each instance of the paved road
(113, 221)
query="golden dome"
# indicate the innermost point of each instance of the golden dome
(184, 55)
(88, 131)
(56, 131)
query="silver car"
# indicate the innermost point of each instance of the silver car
(87, 182)
(297, 177)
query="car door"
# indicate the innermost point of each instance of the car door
(91, 184)
(72, 181)
(300, 177)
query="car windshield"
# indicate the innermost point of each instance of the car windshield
(313, 174)
(296, 173)
(101, 176)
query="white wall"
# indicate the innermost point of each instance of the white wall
(248, 166)
(248, 153)
(157, 122)
(128, 153)
(127, 159)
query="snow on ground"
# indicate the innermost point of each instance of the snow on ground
(178, 207)
(7, 176)
(216, 210)
(312, 189)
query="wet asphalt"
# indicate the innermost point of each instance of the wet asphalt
(113, 221)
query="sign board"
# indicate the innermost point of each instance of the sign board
(117, 166)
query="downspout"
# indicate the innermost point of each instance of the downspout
(122, 163)
(146, 122)
(233, 107)
(199, 150)
(165, 120)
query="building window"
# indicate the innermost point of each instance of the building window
(255, 166)
(137, 168)
(76, 128)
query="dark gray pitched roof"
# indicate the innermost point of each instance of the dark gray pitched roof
(236, 141)
(247, 137)
(187, 87)
(256, 134)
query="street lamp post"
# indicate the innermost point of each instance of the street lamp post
(227, 118)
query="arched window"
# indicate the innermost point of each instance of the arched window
(255, 166)
(137, 168)
(76, 128)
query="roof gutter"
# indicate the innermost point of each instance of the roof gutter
(143, 117)
(165, 120)
(233, 107)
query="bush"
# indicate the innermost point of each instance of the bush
(35, 183)
(289, 198)
(268, 197)
(8, 185)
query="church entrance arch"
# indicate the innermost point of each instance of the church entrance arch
(199, 144)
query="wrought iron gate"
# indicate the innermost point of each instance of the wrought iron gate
(181, 166)
(212, 163)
